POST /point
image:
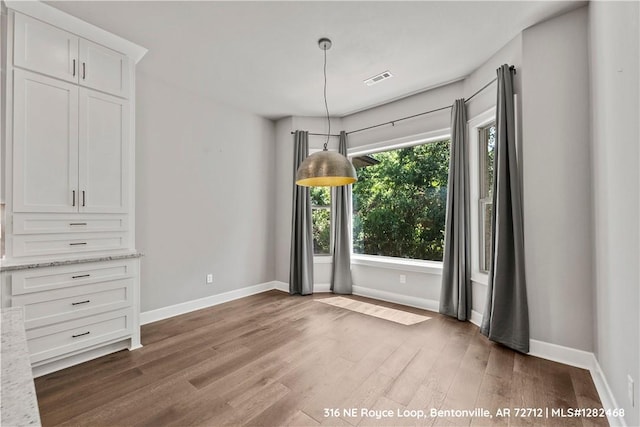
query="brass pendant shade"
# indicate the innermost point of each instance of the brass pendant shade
(325, 169)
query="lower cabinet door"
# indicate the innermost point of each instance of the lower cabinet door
(59, 305)
(77, 335)
(39, 280)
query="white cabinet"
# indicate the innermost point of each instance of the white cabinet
(103, 153)
(44, 48)
(71, 147)
(103, 69)
(57, 53)
(68, 225)
(45, 144)
(72, 308)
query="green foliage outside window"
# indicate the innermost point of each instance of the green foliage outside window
(399, 204)
(321, 215)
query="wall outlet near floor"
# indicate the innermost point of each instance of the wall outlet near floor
(209, 278)
(630, 390)
(403, 278)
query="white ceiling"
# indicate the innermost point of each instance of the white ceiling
(263, 57)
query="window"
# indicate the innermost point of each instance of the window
(399, 202)
(321, 216)
(487, 141)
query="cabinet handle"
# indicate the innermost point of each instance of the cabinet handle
(82, 275)
(84, 70)
(80, 302)
(73, 196)
(83, 199)
(76, 244)
(74, 68)
(77, 223)
(79, 335)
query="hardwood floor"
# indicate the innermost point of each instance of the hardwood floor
(275, 360)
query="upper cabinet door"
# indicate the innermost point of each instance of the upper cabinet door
(45, 144)
(104, 152)
(103, 69)
(44, 48)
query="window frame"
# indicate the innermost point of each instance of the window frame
(474, 126)
(484, 197)
(381, 261)
(323, 258)
(329, 208)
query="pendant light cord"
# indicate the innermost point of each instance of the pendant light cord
(326, 107)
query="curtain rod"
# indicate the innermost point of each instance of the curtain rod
(393, 122)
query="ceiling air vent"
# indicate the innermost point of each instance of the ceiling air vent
(377, 79)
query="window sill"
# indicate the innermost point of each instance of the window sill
(322, 259)
(418, 266)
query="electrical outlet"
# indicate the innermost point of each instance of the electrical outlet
(209, 278)
(403, 278)
(630, 390)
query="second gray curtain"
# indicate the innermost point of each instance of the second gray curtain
(301, 266)
(341, 282)
(506, 314)
(455, 294)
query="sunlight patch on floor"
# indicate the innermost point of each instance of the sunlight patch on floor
(386, 313)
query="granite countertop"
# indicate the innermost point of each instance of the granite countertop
(19, 405)
(22, 265)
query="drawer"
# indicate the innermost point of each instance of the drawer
(67, 223)
(59, 305)
(66, 337)
(60, 244)
(49, 278)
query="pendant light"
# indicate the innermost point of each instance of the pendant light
(325, 168)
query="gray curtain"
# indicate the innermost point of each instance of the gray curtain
(506, 315)
(341, 282)
(455, 295)
(301, 270)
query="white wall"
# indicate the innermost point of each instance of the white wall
(443, 96)
(557, 176)
(205, 198)
(615, 135)
(511, 54)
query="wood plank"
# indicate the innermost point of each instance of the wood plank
(272, 359)
(587, 396)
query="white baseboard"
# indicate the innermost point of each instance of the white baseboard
(189, 306)
(317, 287)
(281, 286)
(605, 393)
(557, 353)
(423, 303)
(321, 287)
(476, 318)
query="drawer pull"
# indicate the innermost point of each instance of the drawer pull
(82, 275)
(77, 223)
(81, 302)
(79, 335)
(76, 244)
